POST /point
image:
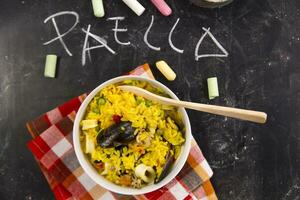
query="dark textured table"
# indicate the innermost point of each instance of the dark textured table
(262, 72)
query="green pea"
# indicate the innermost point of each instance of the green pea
(101, 101)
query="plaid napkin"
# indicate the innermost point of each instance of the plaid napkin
(53, 149)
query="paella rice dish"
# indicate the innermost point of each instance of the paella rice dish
(131, 141)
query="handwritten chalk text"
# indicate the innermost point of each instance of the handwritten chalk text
(103, 43)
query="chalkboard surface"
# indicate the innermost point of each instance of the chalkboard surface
(262, 72)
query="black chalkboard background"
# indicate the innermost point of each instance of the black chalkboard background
(262, 72)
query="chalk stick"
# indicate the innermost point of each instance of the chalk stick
(162, 6)
(50, 66)
(135, 6)
(166, 70)
(213, 90)
(98, 8)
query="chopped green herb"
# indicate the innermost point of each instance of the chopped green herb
(96, 110)
(148, 103)
(139, 101)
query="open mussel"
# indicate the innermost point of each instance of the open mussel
(169, 162)
(116, 135)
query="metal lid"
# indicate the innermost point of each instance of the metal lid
(211, 3)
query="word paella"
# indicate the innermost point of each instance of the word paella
(103, 43)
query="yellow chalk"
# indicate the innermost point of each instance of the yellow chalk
(166, 70)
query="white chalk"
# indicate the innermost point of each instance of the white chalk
(59, 35)
(170, 38)
(146, 36)
(207, 32)
(135, 6)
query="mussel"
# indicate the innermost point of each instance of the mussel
(211, 3)
(169, 161)
(116, 135)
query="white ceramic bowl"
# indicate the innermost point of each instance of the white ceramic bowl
(90, 170)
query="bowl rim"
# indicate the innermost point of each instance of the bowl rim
(96, 177)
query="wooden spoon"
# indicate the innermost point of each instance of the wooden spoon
(248, 115)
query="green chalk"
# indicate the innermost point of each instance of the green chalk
(98, 8)
(50, 66)
(213, 90)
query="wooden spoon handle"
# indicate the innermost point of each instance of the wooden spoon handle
(248, 115)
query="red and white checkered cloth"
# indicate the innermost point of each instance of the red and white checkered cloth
(53, 149)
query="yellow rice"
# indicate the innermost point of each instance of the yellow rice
(156, 132)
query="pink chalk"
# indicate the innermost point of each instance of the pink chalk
(162, 6)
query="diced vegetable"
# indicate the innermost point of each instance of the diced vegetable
(125, 180)
(213, 90)
(89, 144)
(99, 165)
(106, 168)
(89, 123)
(116, 118)
(50, 66)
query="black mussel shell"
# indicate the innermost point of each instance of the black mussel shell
(116, 134)
(167, 167)
(127, 135)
